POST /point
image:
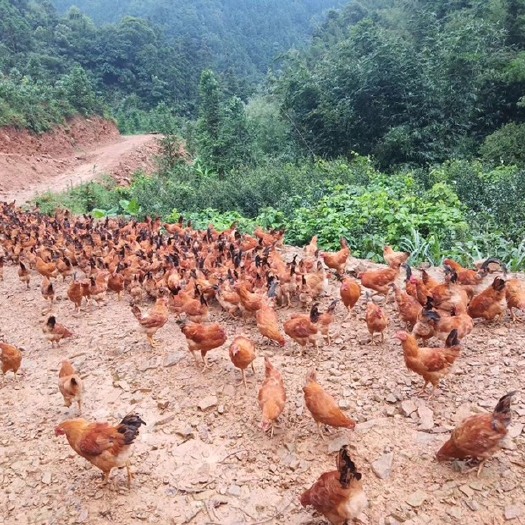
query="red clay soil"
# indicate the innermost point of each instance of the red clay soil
(75, 153)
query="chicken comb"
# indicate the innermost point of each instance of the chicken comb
(346, 467)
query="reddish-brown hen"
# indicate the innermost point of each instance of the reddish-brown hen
(338, 495)
(242, 355)
(272, 397)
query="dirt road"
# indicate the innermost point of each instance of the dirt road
(23, 177)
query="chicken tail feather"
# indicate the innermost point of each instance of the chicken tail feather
(346, 467)
(129, 426)
(502, 410)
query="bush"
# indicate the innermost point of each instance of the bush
(505, 146)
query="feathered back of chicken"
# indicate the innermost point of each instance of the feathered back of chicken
(129, 427)
(502, 410)
(346, 467)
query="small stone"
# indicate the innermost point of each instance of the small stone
(382, 467)
(416, 499)
(390, 411)
(466, 490)
(508, 444)
(207, 402)
(513, 511)
(455, 512)
(515, 430)
(391, 398)
(344, 404)
(220, 409)
(46, 478)
(407, 407)
(473, 505)
(185, 432)
(426, 417)
(164, 421)
(172, 359)
(234, 490)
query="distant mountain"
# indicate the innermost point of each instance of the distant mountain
(241, 36)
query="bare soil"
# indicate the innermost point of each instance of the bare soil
(70, 155)
(214, 465)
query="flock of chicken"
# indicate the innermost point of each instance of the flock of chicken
(184, 271)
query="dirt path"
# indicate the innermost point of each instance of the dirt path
(24, 177)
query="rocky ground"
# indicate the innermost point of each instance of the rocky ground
(202, 458)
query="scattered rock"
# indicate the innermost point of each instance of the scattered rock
(207, 402)
(426, 418)
(234, 490)
(416, 499)
(336, 444)
(382, 467)
(165, 421)
(391, 398)
(513, 511)
(407, 407)
(46, 478)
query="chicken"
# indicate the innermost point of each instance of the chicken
(379, 280)
(65, 267)
(228, 299)
(196, 309)
(395, 259)
(272, 397)
(430, 363)
(242, 355)
(515, 295)
(74, 293)
(11, 359)
(70, 385)
(311, 249)
(376, 320)
(465, 276)
(407, 306)
(48, 292)
(268, 323)
(338, 495)
(203, 338)
(337, 261)
(323, 406)
(303, 328)
(156, 318)
(23, 274)
(479, 437)
(426, 324)
(326, 319)
(490, 303)
(46, 269)
(105, 446)
(250, 302)
(55, 332)
(459, 320)
(116, 284)
(350, 293)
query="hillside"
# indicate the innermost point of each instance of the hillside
(241, 36)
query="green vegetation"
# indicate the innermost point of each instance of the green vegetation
(403, 122)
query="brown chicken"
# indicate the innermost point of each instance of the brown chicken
(376, 320)
(426, 324)
(23, 274)
(242, 355)
(338, 495)
(156, 318)
(407, 306)
(479, 437)
(490, 303)
(70, 385)
(11, 359)
(74, 293)
(395, 259)
(464, 275)
(326, 319)
(272, 397)
(303, 329)
(379, 280)
(337, 260)
(268, 323)
(350, 293)
(55, 332)
(48, 292)
(103, 445)
(323, 406)
(250, 302)
(46, 269)
(430, 363)
(202, 338)
(459, 320)
(515, 295)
